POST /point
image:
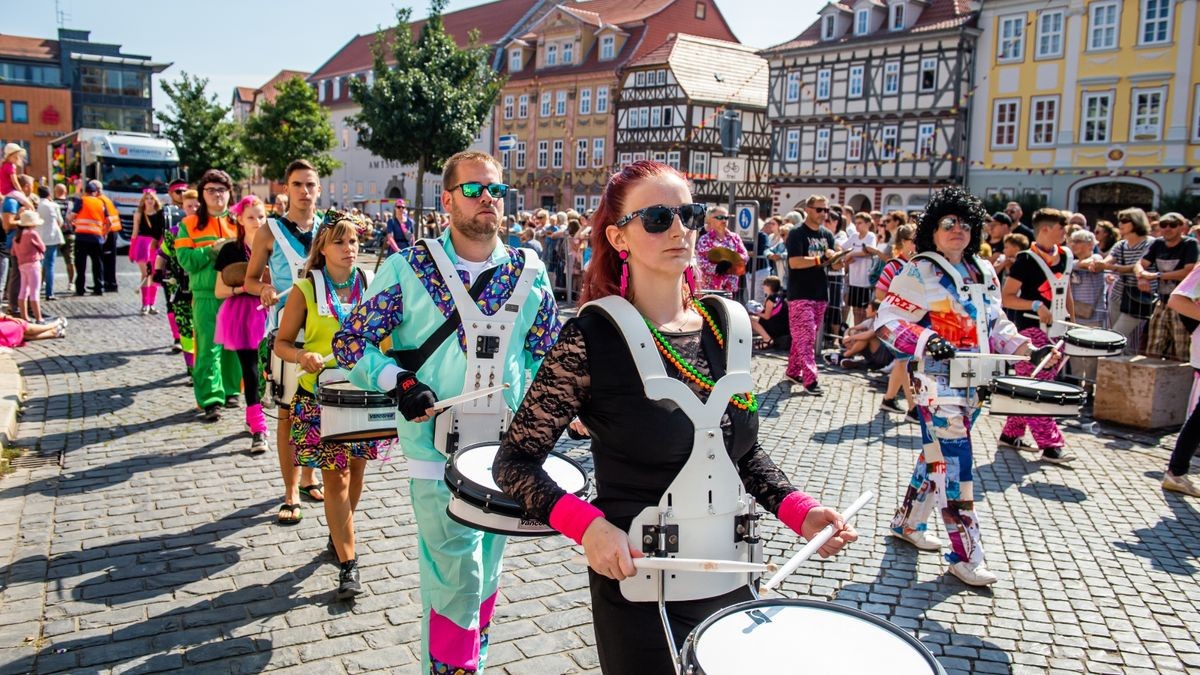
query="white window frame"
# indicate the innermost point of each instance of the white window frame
(543, 154)
(608, 48)
(659, 156)
(889, 138)
(581, 153)
(862, 22)
(639, 78)
(791, 146)
(598, 152)
(896, 17)
(560, 103)
(504, 160)
(656, 117)
(928, 64)
(337, 88)
(1085, 118)
(891, 78)
(827, 26)
(854, 145)
(520, 200)
(568, 52)
(625, 159)
(1012, 127)
(926, 140)
(1134, 114)
(514, 60)
(821, 147)
(321, 90)
(602, 100)
(824, 83)
(545, 107)
(585, 101)
(631, 118)
(644, 113)
(508, 107)
(580, 203)
(1050, 37)
(520, 155)
(552, 55)
(556, 154)
(1148, 23)
(673, 159)
(1041, 125)
(1104, 36)
(594, 202)
(791, 92)
(523, 106)
(1010, 47)
(854, 88)
(661, 77)
(700, 160)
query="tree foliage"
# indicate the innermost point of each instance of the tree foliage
(293, 126)
(430, 101)
(201, 129)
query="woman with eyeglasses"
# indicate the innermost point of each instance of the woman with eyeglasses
(722, 274)
(644, 235)
(926, 316)
(1129, 306)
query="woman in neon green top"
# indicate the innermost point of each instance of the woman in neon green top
(331, 287)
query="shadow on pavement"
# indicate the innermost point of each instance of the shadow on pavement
(1054, 492)
(83, 363)
(1170, 545)
(66, 406)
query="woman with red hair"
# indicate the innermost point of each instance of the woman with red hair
(640, 291)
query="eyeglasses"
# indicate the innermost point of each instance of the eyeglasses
(658, 218)
(214, 191)
(1124, 220)
(721, 218)
(950, 222)
(474, 189)
(819, 209)
(1169, 223)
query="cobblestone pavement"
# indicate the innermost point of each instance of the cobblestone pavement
(155, 547)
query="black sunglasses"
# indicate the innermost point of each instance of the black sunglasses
(721, 218)
(658, 218)
(474, 189)
(819, 209)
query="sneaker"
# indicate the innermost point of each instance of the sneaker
(1013, 443)
(50, 298)
(920, 538)
(231, 402)
(890, 405)
(973, 575)
(1055, 456)
(912, 415)
(794, 380)
(815, 390)
(153, 310)
(176, 347)
(258, 443)
(832, 359)
(145, 311)
(212, 413)
(348, 584)
(1181, 484)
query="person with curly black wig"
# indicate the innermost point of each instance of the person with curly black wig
(944, 301)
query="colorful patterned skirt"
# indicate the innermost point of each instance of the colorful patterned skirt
(311, 452)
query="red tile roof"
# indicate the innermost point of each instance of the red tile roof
(28, 47)
(938, 15)
(268, 90)
(713, 70)
(493, 20)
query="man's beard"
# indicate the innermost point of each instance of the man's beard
(474, 227)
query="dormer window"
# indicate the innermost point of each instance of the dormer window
(514, 60)
(827, 25)
(862, 21)
(552, 55)
(896, 20)
(608, 48)
(568, 52)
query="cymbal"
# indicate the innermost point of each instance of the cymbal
(718, 254)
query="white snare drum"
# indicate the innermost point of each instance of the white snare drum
(476, 501)
(784, 635)
(1030, 397)
(284, 377)
(1093, 342)
(352, 415)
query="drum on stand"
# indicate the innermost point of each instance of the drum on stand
(284, 377)
(476, 501)
(785, 635)
(1029, 397)
(714, 291)
(1093, 342)
(352, 415)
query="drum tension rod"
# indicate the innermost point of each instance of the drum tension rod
(745, 527)
(661, 539)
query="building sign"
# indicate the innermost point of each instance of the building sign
(50, 116)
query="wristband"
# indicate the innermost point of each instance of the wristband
(1037, 304)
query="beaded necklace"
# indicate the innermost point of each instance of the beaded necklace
(340, 309)
(747, 401)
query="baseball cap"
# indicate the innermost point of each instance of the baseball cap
(1002, 217)
(401, 204)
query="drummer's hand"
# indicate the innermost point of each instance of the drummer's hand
(312, 362)
(938, 349)
(267, 297)
(414, 399)
(1044, 315)
(608, 551)
(816, 520)
(577, 426)
(1036, 355)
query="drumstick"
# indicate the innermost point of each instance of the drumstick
(1046, 359)
(816, 542)
(278, 297)
(469, 396)
(998, 357)
(694, 565)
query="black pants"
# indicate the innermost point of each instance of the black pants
(108, 260)
(248, 360)
(1186, 444)
(87, 248)
(630, 636)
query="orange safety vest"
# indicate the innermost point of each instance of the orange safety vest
(91, 218)
(114, 216)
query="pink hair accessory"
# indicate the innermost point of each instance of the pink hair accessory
(237, 208)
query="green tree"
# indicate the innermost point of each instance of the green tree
(293, 126)
(201, 129)
(430, 101)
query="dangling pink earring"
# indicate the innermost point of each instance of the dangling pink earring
(689, 277)
(624, 255)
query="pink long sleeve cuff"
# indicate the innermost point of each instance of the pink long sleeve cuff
(572, 516)
(795, 508)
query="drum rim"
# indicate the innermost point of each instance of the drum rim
(456, 481)
(455, 497)
(689, 642)
(341, 397)
(1075, 396)
(1093, 344)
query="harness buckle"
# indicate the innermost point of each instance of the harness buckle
(487, 346)
(660, 539)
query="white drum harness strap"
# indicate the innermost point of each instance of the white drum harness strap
(705, 512)
(975, 372)
(1058, 292)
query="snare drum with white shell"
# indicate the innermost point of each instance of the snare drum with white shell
(1093, 342)
(785, 635)
(1029, 397)
(284, 377)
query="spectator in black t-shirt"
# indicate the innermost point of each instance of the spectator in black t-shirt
(1014, 211)
(1165, 264)
(771, 323)
(809, 247)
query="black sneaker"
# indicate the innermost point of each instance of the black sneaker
(212, 413)
(348, 584)
(1013, 443)
(231, 402)
(815, 390)
(258, 443)
(1055, 456)
(890, 405)
(176, 347)
(912, 415)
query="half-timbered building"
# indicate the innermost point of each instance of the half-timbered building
(671, 100)
(868, 106)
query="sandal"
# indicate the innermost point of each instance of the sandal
(763, 343)
(308, 490)
(289, 514)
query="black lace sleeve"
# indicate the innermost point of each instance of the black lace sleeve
(764, 479)
(554, 399)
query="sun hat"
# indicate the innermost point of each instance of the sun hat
(11, 148)
(29, 219)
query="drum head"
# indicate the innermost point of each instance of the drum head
(1098, 337)
(474, 465)
(1016, 384)
(816, 637)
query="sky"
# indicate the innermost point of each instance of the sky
(246, 42)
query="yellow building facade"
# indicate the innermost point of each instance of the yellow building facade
(1091, 104)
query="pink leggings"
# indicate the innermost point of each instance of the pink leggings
(31, 280)
(1045, 429)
